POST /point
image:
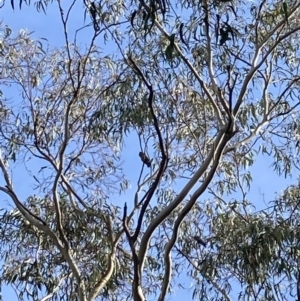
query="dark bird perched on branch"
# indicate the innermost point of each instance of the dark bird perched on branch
(145, 159)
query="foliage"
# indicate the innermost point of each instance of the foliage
(200, 89)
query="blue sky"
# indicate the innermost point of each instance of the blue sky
(265, 181)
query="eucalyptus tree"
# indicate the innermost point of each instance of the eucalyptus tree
(198, 88)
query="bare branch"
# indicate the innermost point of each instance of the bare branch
(49, 296)
(189, 65)
(220, 142)
(111, 264)
(186, 209)
(255, 66)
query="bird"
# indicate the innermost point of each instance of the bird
(145, 159)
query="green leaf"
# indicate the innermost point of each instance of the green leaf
(285, 11)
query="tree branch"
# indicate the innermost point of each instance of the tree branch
(186, 209)
(189, 65)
